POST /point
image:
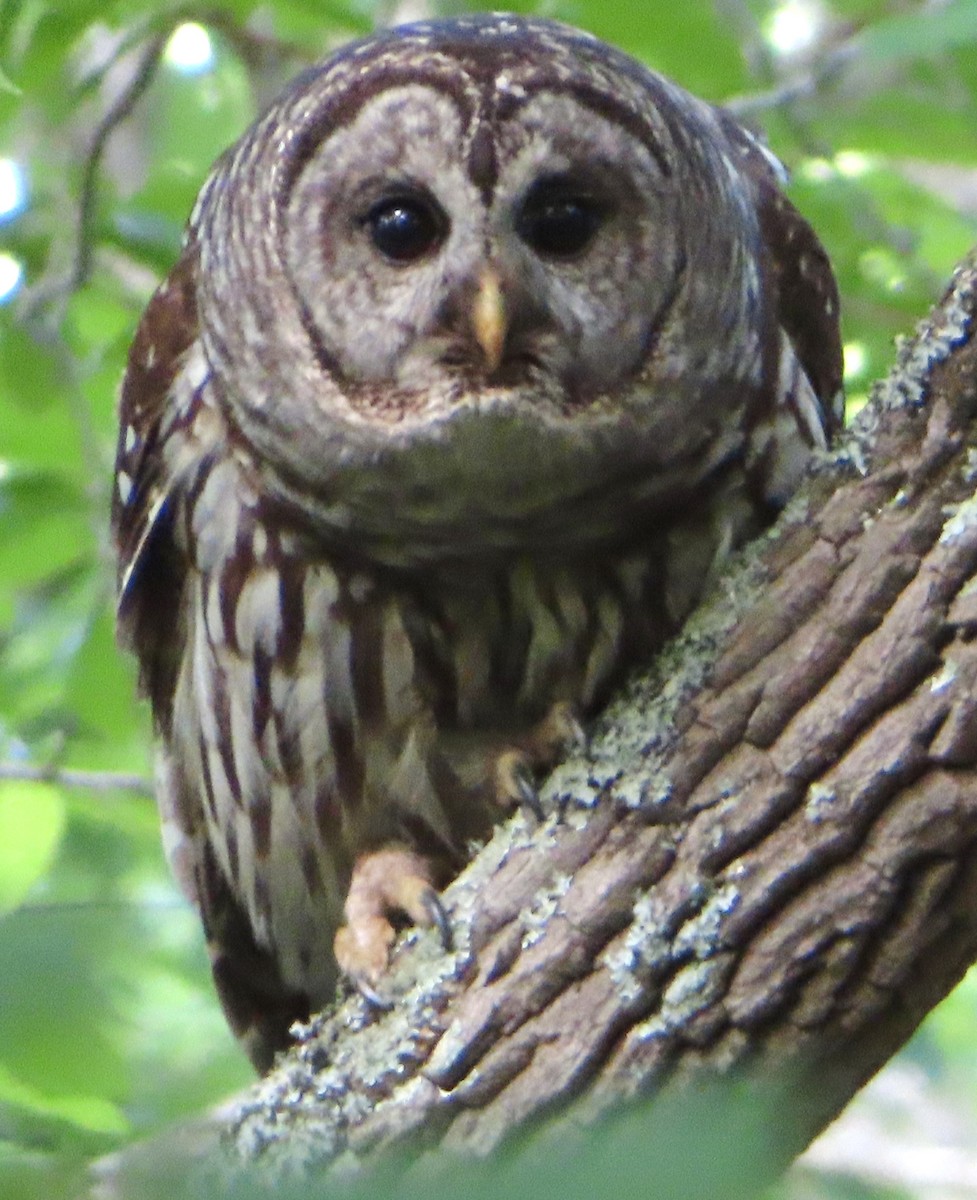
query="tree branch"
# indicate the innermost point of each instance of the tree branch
(96, 781)
(756, 883)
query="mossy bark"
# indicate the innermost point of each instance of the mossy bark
(764, 870)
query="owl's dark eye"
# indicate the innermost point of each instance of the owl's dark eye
(405, 227)
(558, 219)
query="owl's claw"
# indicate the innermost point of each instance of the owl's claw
(515, 783)
(439, 919)
(556, 734)
(370, 995)
(385, 882)
(542, 748)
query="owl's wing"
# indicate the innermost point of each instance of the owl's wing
(151, 567)
(807, 294)
(152, 589)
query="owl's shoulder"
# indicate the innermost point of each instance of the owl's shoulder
(156, 399)
(805, 291)
(166, 333)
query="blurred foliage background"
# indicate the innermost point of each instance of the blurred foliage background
(110, 115)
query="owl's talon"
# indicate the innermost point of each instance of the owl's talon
(529, 794)
(515, 784)
(372, 997)
(556, 734)
(549, 739)
(439, 919)
(384, 882)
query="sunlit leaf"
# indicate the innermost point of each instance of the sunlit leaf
(906, 36)
(93, 1113)
(32, 821)
(8, 85)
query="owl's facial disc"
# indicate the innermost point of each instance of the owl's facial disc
(421, 273)
(556, 221)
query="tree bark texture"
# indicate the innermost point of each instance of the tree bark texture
(765, 865)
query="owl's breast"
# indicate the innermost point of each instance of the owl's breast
(508, 471)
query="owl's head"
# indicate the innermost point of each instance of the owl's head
(496, 243)
(487, 213)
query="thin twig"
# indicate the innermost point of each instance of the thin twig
(116, 113)
(256, 50)
(801, 86)
(97, 781)
(60, 291)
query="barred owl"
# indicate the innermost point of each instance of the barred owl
(486, 344)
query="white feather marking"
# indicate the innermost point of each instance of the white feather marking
(251, 773)
(200, 699)
(809, 412)
(257, 617)
(603, 651)
(216, 516)
(296, 698)
(135, 558)
(546, 641)
(195, 368)
(360, 588)
(788, 460)
(397, 659)
(338, 687)
(319, 593)
(314, 745)
(213, 617)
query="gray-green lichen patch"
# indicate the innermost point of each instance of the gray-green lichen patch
(946, 327)
(936, 336)
(546, 904)
(647, 949)
(696, 987)
(631, 739)
(961, 521)
(700, 936)
(334, 1081)
(519, 833)
(819, 802)
(945, 677)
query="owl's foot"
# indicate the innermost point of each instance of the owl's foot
(384, 883)
(517, 767)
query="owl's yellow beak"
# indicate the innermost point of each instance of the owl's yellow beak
(489, 318)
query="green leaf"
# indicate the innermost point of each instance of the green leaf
(92, 1113)
(100, 686)
(44, 33)
(44, 526)
(32, 823)
(905, 124)
(28, 370)
(315, 25)
(8, 85)
(912, 35)
(688, 42)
